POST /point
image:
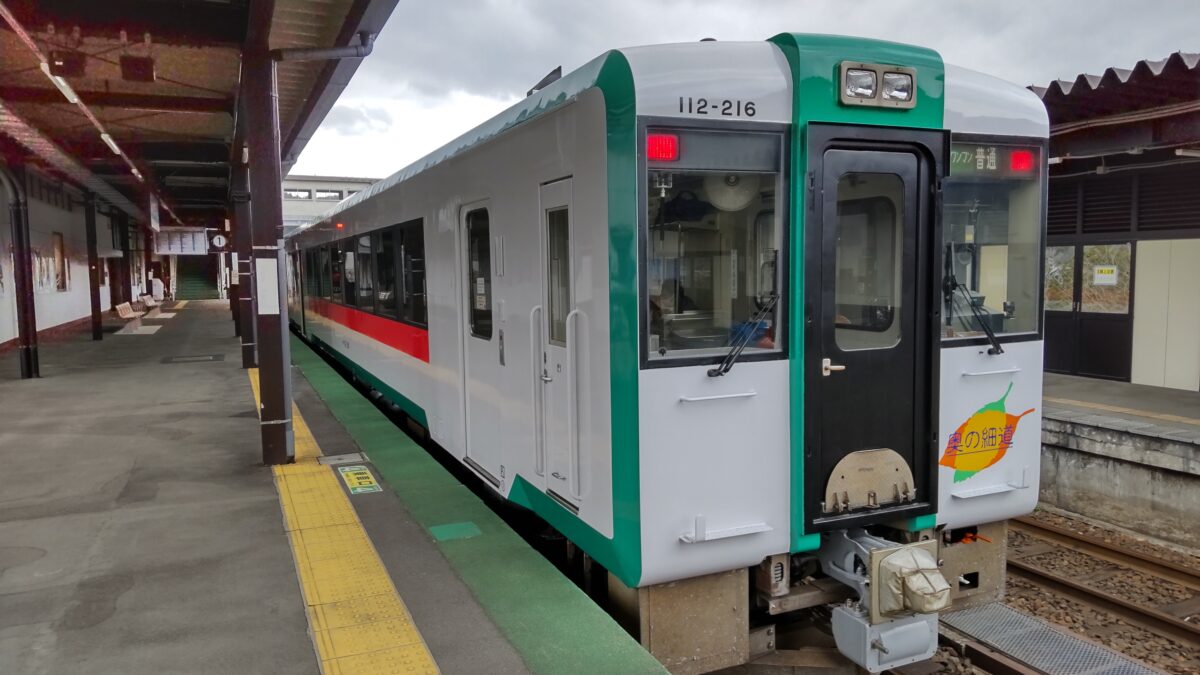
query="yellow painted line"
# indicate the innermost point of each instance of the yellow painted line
(357, 620)
(180, 304)
(1127, 411)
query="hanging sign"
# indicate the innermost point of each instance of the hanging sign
(1104, 275)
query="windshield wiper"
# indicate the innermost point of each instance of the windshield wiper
(953, 285)
(743, 338)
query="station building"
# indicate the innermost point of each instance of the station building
(1122, 283)
(307, 197)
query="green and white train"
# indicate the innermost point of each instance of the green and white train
(725, 306)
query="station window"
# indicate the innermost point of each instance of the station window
(328, 195)
(366, 277)
(992, 229)
(297, 193)
(479, 273)
(385, 273)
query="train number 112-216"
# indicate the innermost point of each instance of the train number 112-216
(724, 107)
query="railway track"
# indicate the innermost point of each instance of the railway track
(1179, 620)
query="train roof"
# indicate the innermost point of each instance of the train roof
(975, 102)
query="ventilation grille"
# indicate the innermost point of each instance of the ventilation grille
(1169, 198)
(1062, 206)
(1107, 203)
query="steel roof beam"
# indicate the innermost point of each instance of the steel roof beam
(108, 99)
(196, 23)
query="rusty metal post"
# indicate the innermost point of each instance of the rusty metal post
(18, 211)
(266, 190)
(94, 273)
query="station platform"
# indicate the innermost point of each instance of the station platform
(1124, 454)
(140, 533)
(1171, 414)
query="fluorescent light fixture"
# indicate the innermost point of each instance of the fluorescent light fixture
(62, 85)
(1055, 160)
(1187, 152)
(112, 145)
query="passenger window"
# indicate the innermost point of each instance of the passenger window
(385, 274)
(868, 268)
(323, 272)
(349, 272)
(412, 265)
(335, 276)
(479, 273)
(558, 253)
(366, 275)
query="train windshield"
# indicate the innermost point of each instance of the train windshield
(713, 241)
(992, 227)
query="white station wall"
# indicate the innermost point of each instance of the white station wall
(52, 306)
(1166, 314)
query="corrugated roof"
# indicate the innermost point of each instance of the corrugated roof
(1149, 84)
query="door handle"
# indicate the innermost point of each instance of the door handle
(547, 378)
(828, 366)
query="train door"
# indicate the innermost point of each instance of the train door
(559, 436)
(481, 347)
(871, 249)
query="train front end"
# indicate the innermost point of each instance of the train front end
(840, 332)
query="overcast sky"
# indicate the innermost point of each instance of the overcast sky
(440, 68)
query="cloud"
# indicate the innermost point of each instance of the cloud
(357, 120)
(432, 58)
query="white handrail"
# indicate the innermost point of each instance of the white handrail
(535, 358)
(573, 403)
(1003, 371)
(693, 399)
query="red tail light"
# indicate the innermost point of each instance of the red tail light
(1021, 160)
(662, 147)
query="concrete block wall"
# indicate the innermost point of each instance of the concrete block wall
(1125, 473)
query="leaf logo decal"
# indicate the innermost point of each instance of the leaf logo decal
(982, 440)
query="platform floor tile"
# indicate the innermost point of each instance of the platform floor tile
(358, 621)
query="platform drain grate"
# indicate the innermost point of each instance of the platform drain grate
(348, 458)
(1038, 644)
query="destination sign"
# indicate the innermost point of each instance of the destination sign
(988, 160)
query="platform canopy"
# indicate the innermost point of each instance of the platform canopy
(157, 84)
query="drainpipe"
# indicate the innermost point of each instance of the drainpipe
(18, 211)
(366, 42)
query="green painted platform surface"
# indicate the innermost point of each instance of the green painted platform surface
(553, 625)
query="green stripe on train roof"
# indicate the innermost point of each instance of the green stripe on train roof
(553, 625)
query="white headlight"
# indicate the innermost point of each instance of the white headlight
(897, 86)
(860, 83)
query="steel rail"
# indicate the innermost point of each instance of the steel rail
(1149, 618)
(1188, 577)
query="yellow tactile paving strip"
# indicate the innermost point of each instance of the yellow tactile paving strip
(357, 620)
(1127, 411)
